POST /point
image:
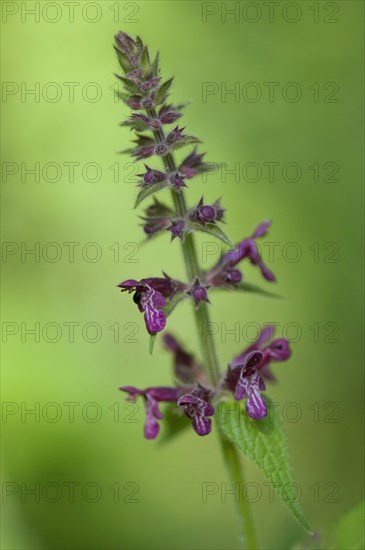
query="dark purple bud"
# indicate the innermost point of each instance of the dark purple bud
(170, 117)
(147, 103)
(177, 228)
(153, 176)
(161, 149)
(192, 164)
(143, 152)
(154, 225)
(135, 75)
(154, 123)
(175, 135)
(157, 218)
(177, 180)
(151, 84)
(205, 213)
(133, 102)
(199, 292)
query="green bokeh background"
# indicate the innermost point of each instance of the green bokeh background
(170, 513)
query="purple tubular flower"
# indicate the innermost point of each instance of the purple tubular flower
(277, 350)
(152, 397)
(225, 271)
(197, 407)
(186, 368)
(248, 249)
(150, 296)
(245, 381)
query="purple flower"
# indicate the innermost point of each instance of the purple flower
(246, 372)
(277, 350)
(150, 296)
(199, 292)
(198, 408)
(186, 369)
(245, 381)
(225, 271)
(152, 397)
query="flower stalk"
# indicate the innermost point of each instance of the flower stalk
(198, 388)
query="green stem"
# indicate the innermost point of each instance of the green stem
(208, 350)
(237, 479)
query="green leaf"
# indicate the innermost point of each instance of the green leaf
(154, 66)
(145, 59)
(129, 85)
(136, 124)
(264, 442)
(248, 287)
(174, 423)
(162, 91)
(349, 532)
(187, 140)
(152, 342)
(212, 229)
(148, 190)
(123, 60)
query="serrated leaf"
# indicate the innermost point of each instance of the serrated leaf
(152, 342)
(129, 85)
(137, 124)
(154, 66)
(121, 95)
(123, 60)
(145, 59)
(264, 442)
(248, 287)
(162, 91)
(212, 229)
(349, 532)
(148, 190)
(174, 423)
(187, 140)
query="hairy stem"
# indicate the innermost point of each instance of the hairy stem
(208, 350)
